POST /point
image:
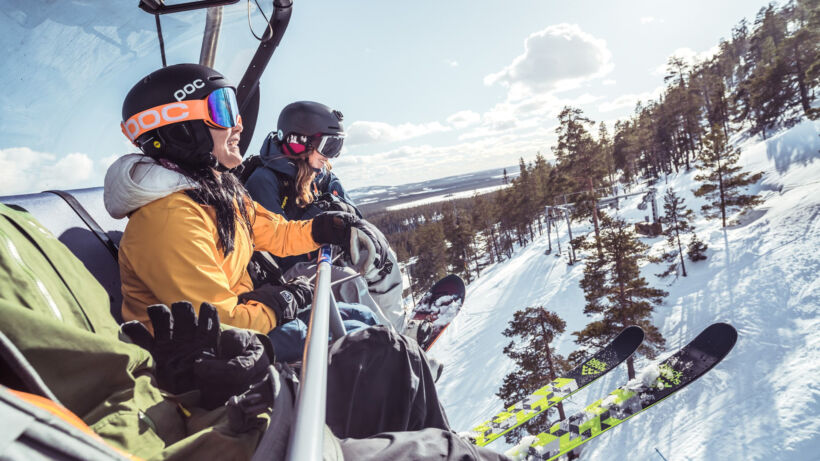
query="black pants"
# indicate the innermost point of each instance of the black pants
(382, 402)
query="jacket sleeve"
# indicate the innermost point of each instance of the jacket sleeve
(185, 264)
(263, 187)
(277, 235)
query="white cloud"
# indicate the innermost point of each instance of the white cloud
(24, 170)
(689, 55)
(516, 115)
(557, 58)
(415, 163)
(608, 81)
(451, 62)
(463, 119)
(629, 100)
(647, 19)
(376, 132)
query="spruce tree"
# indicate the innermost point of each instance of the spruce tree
(617, 294)
(533, 330)
(723, 181)
(431, 250)
(696, 249)
(458, 231)
(676, 222)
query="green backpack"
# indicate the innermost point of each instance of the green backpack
(57, 315)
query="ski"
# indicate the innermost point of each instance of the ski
(620, 349)
(654, 384)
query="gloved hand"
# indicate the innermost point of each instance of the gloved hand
(330, 202)
(178, 340)
(363, 243)
(286, 300)
(240, 361)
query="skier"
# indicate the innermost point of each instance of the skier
(192, 228)
(292, 177)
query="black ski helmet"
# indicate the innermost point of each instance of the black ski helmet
(187, 143)
(307, 118)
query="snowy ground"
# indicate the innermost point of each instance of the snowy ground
(761, 275)
(441, 198)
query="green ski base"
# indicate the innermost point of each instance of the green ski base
(675, 373)
(620, 349)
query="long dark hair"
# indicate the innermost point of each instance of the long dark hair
(225, 194)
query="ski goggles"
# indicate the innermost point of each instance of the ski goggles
(218, 110)
(329, 145)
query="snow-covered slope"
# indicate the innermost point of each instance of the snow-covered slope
(761, 275)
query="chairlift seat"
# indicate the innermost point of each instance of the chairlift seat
(95, 247)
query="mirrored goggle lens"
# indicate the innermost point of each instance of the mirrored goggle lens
(331, 146)
(223, 108)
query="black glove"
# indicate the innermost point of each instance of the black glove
(286, 300)
(241, 360)
(363, 243)
(330, 202)
(178, 340)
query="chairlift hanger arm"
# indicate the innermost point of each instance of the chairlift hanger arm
(247, 93)
(159, 6)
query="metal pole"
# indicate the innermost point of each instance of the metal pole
(569, 231)
(337, 328)
(307, 435)
(549, 237)
(210, 38)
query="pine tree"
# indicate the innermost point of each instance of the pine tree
(802, 53)
(676, 221)
(580, 160)
(616, 292)
(457, 227)
(536, 363)
(432, 255)
(696, 249)
(723, 180)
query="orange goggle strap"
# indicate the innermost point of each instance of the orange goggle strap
(166, 114)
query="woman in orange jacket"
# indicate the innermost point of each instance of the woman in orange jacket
(192, 227)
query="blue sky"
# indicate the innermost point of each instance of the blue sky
(428, 89)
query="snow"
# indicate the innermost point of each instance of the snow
(441, 198)
(444, 309)
(761, 276)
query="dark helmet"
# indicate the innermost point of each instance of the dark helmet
(187, 143)
(308, 119)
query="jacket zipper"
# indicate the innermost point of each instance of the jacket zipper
(40, 286)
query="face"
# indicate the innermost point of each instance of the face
(226, 145)
(316, 160)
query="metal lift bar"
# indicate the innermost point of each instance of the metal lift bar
(247, 93)
(307, 434)
(210, 38)
(159, 6)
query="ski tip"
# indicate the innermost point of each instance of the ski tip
(629, 338)
(451, 284)
(717, 339)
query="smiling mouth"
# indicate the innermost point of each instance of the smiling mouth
(233, 143)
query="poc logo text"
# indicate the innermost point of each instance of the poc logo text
(189, 88)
